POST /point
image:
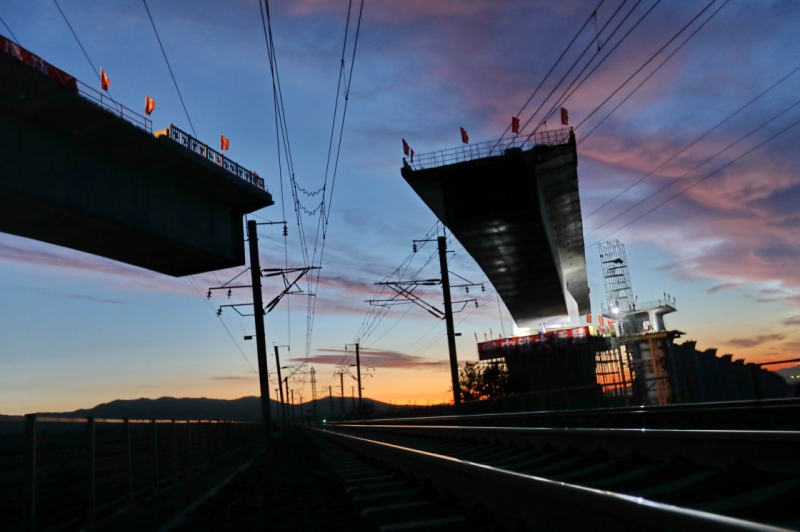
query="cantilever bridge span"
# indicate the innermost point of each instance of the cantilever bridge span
(79, 170)
(514, 206)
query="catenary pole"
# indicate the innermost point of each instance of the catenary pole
(258, 313)
(448, 318)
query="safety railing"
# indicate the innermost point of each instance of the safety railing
(105, 102)
(65, 473)
(632, 306)
(188, 141)
(469, 152)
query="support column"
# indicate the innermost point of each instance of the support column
(261, 341)
(358, 373)
(448, 318)
(280, 389)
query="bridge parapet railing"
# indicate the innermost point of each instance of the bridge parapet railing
(104, 101)
(65, 473)
(470, 152)
(202, 149)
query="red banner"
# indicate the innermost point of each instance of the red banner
(35, 62)
(534, 343)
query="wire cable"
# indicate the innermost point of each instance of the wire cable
(650, 75)
(748, 152)
(594, 14)
(79, 41)
(168, 66)
(698, 139)
(670, 183)
(10, 32)
(645, 63)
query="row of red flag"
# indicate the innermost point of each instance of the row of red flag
(407, 151)
(150, 104)
(600, 320)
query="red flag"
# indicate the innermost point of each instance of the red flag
(600, 320)
(405, 147)
(412, 156)
(564, 117)
(514, 124)
(464, 136)
(588, 317)
(224, 143)
(610, 322)
(149, 105)
(104, 82)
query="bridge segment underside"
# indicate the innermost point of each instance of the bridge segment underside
(76, 175)
(518, 215)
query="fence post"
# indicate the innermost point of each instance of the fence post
(90, 470)
(200, 440)
(128, 462)
(155, 456)
(29, 508)
(174, 457)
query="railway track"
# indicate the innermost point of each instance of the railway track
(772, 414)
(407, 477)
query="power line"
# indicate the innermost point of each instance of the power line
(781, 132)
(168, 66)
(79, 41)
(646, 63)
(654, 71)
(701, 137)
(564, 95)
(594, 14)
(325, 214)
(9, 31)
(574, 64)
(200, 293)
(670, 183)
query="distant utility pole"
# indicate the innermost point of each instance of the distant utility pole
(278, 366)
(261, 343)
(314, 393)
(341, 383)
(448, 318)
(286, 384)
(358, 373)
(330, 396)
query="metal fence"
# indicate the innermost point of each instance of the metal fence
(469, 152)
(105, 102)
(65, 473)
(188, 141)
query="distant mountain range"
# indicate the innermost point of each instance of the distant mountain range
(244, 409)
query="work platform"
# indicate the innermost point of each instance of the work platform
(82, 171)
(514, 206)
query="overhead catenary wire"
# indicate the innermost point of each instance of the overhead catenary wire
(652, 57)
(171, 73)
(572, 88)
(691, 144)
(718, 170)
(533, 94)
(325, 214)
(584, 137)
(706, 161)
(10, 32)
(64, 16)
(574, 64)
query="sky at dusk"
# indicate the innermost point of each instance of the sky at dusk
(77, 330)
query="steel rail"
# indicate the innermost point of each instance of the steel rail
(537, 503)
(767, 451)
(714, 414)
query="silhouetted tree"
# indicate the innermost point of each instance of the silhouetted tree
(481, 380)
